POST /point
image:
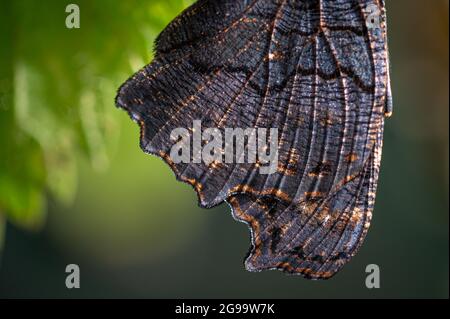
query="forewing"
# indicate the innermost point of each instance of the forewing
(312, 69)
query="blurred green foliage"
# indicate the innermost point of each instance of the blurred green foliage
(56, 93)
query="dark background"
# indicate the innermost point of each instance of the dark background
(136, 232)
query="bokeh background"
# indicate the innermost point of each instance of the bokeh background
(76, 188)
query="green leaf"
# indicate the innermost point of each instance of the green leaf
(22, 179)
(22, 172)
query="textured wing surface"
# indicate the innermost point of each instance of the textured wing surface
(311, 69)
(315, 237)
(317, 71)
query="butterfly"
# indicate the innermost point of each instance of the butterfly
(315, 70)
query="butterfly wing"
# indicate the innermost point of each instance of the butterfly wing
(311, 69)
(317, 71)
(316, 237)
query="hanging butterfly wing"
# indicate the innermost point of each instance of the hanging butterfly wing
(317, 71)
(312, 69)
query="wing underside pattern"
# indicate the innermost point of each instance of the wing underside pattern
(317, 71)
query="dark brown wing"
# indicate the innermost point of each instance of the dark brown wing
(313, 69)
(317, 236)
